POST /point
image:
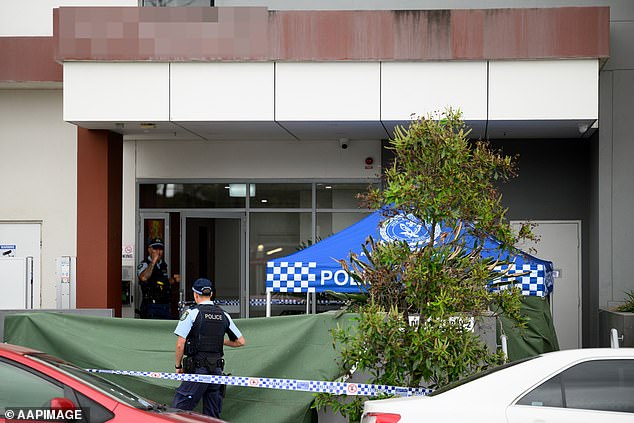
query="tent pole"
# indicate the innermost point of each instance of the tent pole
(307, 302)
(268, 303)
(314, 302)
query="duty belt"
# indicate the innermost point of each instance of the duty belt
(156, 300)
(190, 364)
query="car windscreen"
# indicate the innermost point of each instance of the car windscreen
(478, 375)
(110, 388)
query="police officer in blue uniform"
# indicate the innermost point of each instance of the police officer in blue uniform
(199, 349)
(155, 283)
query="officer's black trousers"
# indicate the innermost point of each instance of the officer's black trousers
(189, 393)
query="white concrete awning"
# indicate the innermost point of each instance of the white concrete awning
(330, 100)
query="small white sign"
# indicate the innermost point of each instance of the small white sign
(7, 250)
(65, 269)
(127, 251)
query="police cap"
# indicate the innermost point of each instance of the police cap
(156, 243)
(203, 286)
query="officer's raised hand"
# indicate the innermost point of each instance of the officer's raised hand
(155, 253)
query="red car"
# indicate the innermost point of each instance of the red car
(29, 378)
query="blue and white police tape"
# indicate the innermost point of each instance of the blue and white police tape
(337, 388)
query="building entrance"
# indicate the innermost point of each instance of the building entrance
(213, 247)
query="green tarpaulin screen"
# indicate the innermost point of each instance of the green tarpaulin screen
(538, 337)
(292, 347)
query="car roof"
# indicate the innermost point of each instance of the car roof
(552, 360)
(17, 349)
(582, 353)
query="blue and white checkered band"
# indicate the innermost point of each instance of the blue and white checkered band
(287, 276)
(337, 388)
(256, 302)
(406, 228)
(530, 278)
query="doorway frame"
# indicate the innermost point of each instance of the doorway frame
(243, 268)
(578, 224)
(142, 252)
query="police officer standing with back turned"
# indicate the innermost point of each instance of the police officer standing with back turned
(201, 336)
(155, 283)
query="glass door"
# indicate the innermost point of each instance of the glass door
(213, 247)
(154, 225)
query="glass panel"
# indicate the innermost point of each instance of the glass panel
(282, 196)
(153, 228)
(97, 413)
(191, 196)
(606, 385)
(275, 235)
(340, 196)
(21, 388)
(110, 388)
(213, 251)
(548, 394)
(329, 223)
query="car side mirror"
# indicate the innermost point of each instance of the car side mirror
(62, 404)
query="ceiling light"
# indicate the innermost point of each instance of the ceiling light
(274, 250)
(240, 190)
(147, 125)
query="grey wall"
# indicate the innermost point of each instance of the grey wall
(555, 182)
(611, 264)
(552, 181)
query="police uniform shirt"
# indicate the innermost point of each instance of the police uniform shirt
(161, 266)
(157, 287)
(189, 317)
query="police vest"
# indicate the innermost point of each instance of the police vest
(208, 331)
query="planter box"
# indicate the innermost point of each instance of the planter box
(622, 322)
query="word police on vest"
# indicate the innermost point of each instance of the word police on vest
(210, 316)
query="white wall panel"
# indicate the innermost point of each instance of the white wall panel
(222, 91)
(420, 88)
(38, 154)
(255, 160)
(128, 217)
(116, 91)
(342, 91)
(544, 90)
(35, 17)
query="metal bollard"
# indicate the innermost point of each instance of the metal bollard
(615, 338)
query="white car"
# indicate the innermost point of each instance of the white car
(576, 386)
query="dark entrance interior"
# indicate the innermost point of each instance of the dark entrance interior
(212, 250)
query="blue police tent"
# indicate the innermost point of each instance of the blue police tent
(316, 268)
